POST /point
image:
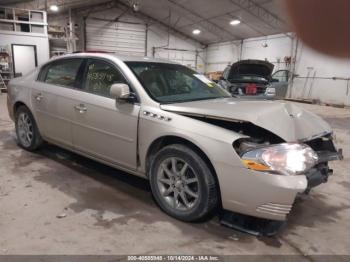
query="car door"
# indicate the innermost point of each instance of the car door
(281, 85)
(52, 99)
(223, 82)
(104, 127)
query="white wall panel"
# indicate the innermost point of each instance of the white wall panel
(222, 54)
(315, 70)
(41, 43)
(218, 56)
(118, 37)
(103, 34)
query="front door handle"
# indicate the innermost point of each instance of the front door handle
(38, 97)
(80, 108)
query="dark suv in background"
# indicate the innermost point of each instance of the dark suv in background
(250, 78)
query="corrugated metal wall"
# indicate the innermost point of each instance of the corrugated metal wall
(119, 37)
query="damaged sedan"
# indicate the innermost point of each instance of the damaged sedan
(201, 149)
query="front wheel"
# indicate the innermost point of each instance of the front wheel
(182, 183)
(28, 135)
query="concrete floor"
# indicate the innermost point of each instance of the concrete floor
(110, 212)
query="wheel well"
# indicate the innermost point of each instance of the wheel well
(17, 105)
(170, 140)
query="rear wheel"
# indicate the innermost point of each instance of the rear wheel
(28, 135)
(182, 183)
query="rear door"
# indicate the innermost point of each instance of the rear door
(53, 99)
(103, 127)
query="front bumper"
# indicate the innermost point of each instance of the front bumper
(270, 196)
(320, 173)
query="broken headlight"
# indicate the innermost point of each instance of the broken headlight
(285, 159)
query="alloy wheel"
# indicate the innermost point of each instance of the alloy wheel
(178, 184)
(25, 129)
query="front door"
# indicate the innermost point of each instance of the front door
(103, 127)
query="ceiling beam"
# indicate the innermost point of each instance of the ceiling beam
(86, 11)
(148, 18)
(208, 25)
(261, 13)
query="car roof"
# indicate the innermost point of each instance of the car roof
(124, 58)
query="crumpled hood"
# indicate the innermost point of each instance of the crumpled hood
(284, 119)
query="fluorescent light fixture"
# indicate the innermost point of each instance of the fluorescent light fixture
(196, 31)
(54, 8)
(235, 22)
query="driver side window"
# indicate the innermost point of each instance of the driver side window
(100, 76)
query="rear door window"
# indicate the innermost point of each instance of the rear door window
(63, 72)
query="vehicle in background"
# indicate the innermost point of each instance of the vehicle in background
(249, 78)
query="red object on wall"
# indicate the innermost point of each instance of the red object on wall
(250, 89)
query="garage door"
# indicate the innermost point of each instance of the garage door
(118, 37)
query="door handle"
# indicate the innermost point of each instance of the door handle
(80, 108)
(38, 97)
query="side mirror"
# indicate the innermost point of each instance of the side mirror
(120, 91)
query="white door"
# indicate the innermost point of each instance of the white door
(118, 37)
(24, 58)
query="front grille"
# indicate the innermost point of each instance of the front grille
(275, 209)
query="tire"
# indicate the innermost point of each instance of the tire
(28, 135)
(191, 194)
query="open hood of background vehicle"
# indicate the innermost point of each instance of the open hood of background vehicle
(285, 120)
(251, 67)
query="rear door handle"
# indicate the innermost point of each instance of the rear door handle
(38, 97)
(80, 108)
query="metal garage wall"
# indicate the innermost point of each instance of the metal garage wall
(184, 57)
(319, 77)
(118, 37)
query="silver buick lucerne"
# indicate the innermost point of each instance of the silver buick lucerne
(199, 147)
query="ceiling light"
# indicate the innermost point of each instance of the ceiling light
(235, 22)
(54, 8)
(196, 31)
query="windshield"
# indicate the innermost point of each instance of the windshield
(172, 83)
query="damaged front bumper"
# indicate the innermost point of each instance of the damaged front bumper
(271, 196)
(319, 174)
(268, 219)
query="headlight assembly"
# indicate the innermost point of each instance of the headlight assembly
(285, 159)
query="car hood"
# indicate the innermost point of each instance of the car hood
(251, 67)
(286, 120)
